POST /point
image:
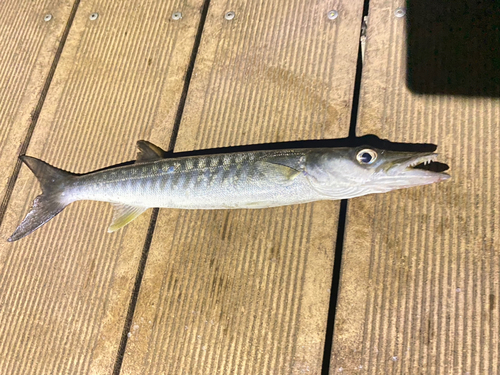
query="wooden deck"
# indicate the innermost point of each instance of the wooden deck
(245, 291)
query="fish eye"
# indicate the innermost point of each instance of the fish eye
(366, 156)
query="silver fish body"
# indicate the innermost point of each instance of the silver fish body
(257, 179)
(224, 181)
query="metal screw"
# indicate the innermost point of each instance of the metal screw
(400, 12)
(47, 17)
(176, 16)
(332, 14)
(229, 16)
(94, 16)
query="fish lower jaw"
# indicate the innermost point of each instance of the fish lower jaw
(417, 178)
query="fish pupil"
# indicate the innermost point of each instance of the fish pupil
(366, 157)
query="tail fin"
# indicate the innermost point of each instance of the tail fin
(47, 205)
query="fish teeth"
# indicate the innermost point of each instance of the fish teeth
(424, 160)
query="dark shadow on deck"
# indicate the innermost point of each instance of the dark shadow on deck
(453, 47)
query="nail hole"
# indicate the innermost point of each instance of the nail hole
(400, 12)
(332, 14)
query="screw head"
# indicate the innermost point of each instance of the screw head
(400, 12)
(332, 14)
(176, 16)
(229, 15)
(47, 17)
(94, 16)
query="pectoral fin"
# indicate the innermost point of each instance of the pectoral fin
(123, 215)
(278, 172)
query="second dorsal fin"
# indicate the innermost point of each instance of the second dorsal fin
(148, 152)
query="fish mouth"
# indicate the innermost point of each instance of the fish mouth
(419, 169)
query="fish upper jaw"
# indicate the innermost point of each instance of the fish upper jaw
(410, 163)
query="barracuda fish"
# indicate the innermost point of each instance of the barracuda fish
(257, 179)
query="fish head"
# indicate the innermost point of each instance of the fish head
(352, 172)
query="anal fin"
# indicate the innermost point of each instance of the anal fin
(124, 214)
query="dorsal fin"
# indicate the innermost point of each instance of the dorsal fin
(148, 152)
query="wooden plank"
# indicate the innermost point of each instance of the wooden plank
(65, 289)
(28, 44)
(247, 291)
(420, 278)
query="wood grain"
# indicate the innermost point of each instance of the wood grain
(65, 289)
(420, 278)
(247, 291)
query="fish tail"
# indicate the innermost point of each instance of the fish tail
(52, 200)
